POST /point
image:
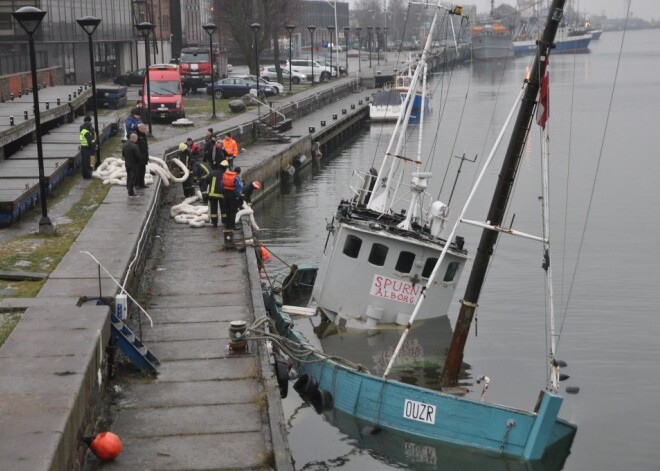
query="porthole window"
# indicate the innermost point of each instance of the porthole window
(450, 274)
(428, 267)
(378, 254)
(352, 246)
(405, 262)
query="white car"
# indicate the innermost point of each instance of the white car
(279, 88)
(270, 73)
(307, 65)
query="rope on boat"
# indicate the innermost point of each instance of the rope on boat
(299, 352)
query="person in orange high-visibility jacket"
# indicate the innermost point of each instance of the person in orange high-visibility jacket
(232, 186)
(231, 149)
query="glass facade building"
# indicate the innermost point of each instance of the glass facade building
(60, 41)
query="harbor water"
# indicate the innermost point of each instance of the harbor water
(604, 197)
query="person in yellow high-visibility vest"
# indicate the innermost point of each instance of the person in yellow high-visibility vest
(87, 147)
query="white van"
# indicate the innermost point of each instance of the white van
(305, 66)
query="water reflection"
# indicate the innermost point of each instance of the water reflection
(413, 453)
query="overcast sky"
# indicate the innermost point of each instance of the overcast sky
(646, 9)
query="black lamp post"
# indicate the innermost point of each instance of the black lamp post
(30, 18)
(311, 34)
(256, 27)
(346, 30)
(358, 30)
(210, 29)
(89, 24)
(332, 29)
(369, 30)
(145, 28)
(378, 45)
(290, 29)
(385, 31)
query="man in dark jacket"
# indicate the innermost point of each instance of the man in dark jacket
(87, 147)
(132, 157)
(186, 159)
(144, 151)
(246, 195)
(209, 144)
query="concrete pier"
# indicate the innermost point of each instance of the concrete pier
(206, 408)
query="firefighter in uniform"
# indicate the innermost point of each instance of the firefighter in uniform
(231, 190)
(215, 194)
(200, 171)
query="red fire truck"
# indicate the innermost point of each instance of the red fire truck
(195, 68)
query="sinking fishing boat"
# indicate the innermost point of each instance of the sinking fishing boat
(337, 385)
(386, 237)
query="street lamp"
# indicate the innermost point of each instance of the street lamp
(256, 27)
(346, 30)
(369, 30)
(378, 44)
(210, 29)
(145, 28)
(89, 24)
(385, 30)
(30, 18)
(311, 33)
(332, 29)
(290, 29)
(358, 30)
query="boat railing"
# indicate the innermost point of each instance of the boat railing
(362, 189)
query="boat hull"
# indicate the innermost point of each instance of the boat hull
(487, 47)
(568, 45)
(424, 413)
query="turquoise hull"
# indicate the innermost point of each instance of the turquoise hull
(427, 414)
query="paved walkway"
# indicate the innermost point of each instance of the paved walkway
(206, 409)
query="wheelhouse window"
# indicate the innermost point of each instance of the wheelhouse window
(450, 274)
(428, 267)
(352, 246)
(405, 262)
(378, 254)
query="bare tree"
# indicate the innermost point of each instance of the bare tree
(272, 15)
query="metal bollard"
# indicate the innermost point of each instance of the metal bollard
(11, 120)
(322, 123)
(312, 129)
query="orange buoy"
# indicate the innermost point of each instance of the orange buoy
(105, 445)
(264, 253)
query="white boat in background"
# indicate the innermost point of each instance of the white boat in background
(388, 103)
(385, 105)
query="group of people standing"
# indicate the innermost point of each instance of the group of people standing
(212, 171)
(135, 152)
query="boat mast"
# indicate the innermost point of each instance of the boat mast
(500, 199)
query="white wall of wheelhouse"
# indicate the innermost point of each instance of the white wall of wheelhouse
(392, 292)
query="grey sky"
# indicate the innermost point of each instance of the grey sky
(646, 9)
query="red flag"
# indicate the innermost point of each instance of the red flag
(543, 110)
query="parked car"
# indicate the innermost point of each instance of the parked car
(306, 65)
(262, 82)
(131, 78)
(270, 73)
(336, 68)
(236, 87)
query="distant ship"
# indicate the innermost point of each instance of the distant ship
(491, 41)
